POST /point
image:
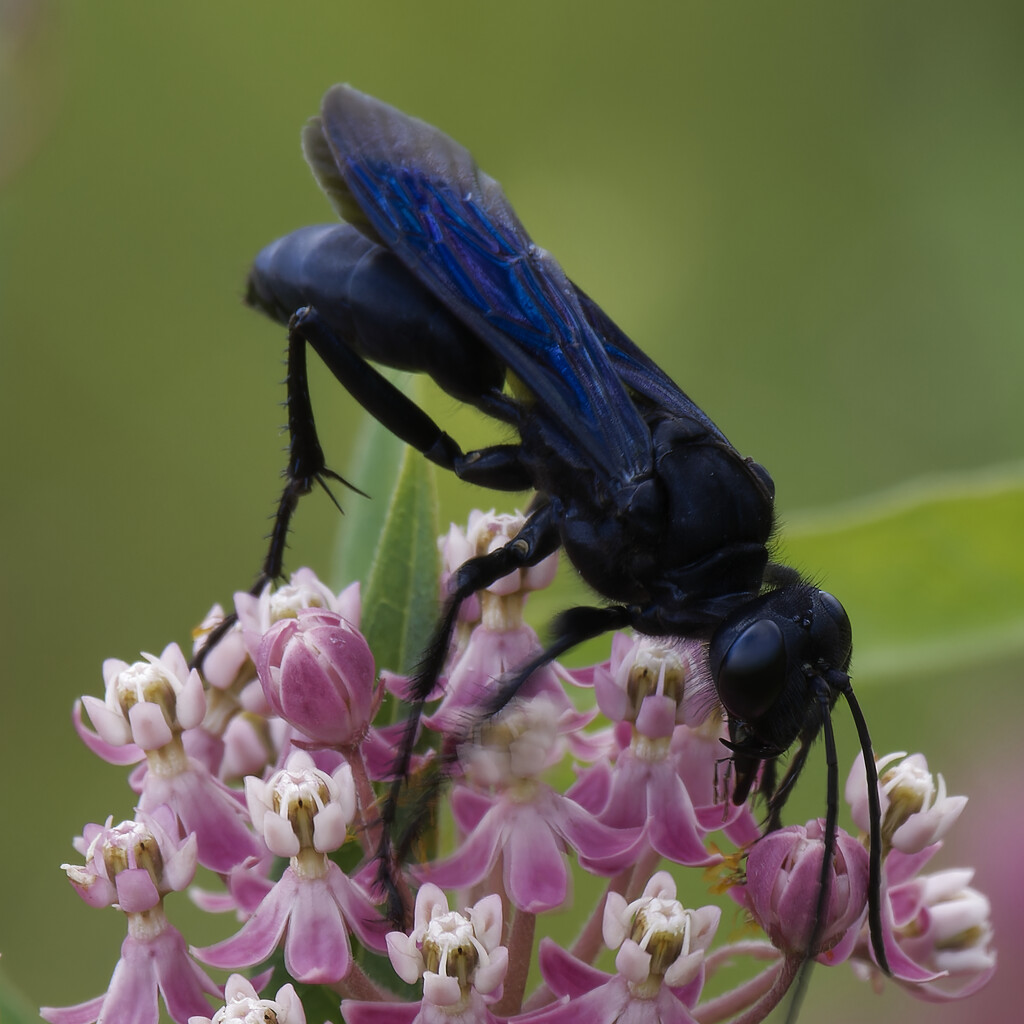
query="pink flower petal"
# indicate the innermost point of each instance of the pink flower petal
(632, 963)
(405, 956)
(360, 913)
(136, 890)
(440, 990)
(565, 975)
(316, 948)
(110, 725)
(190, 706)
(601, 849)
(674, 831)
(492, 974)
(355, 1012)
(657, 716)
(261, 934)
(472, 860)
(149, 727)
(182, 981)
(536, 875)
(112, 753)
(82, 1013)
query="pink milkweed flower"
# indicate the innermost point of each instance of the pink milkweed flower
(256, 614)
(781, 891)
(131, 866)
(916, 812)
(486, 532)
(317, 674)
(227, 665)
(655, 684)
(660, 963)
(148, 703)
(937, 930)
(524, 821)
(302, 806)
(656, 937)
(242, 1003)
(458, 956)
(304, 813)
(303, 590)
(648, 689)
(493, 638)
(945, 926)
(147, 708)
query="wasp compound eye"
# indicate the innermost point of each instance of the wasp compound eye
(836, 612)
(840, 641)
(752, 673)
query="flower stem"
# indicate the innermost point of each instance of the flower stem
(590, 940)
(759, 949)
(520, 950)
(357, 984)
(780, 976)
(731, 1002)
(369, 820)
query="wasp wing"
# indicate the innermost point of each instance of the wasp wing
(411, 188)
(641, 374)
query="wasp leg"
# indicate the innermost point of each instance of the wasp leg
(499, 467)
(777, 796)
(572, 627)
(537, 539)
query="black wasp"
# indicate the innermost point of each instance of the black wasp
(432, 272)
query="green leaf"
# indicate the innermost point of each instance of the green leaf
(374, 467)
(15, 1007)
(389, 542)
(400, 599)
(931, 573)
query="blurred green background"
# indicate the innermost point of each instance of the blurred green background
(809, 213)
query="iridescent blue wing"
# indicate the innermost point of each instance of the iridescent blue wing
(418, 192)
(641, 374)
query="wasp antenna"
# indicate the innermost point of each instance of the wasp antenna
(822, 695)
(875, 814)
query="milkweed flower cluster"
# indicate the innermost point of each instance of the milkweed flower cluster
(268, 766)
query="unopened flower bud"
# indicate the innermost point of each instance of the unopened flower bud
(783, 875)
(317, 674)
